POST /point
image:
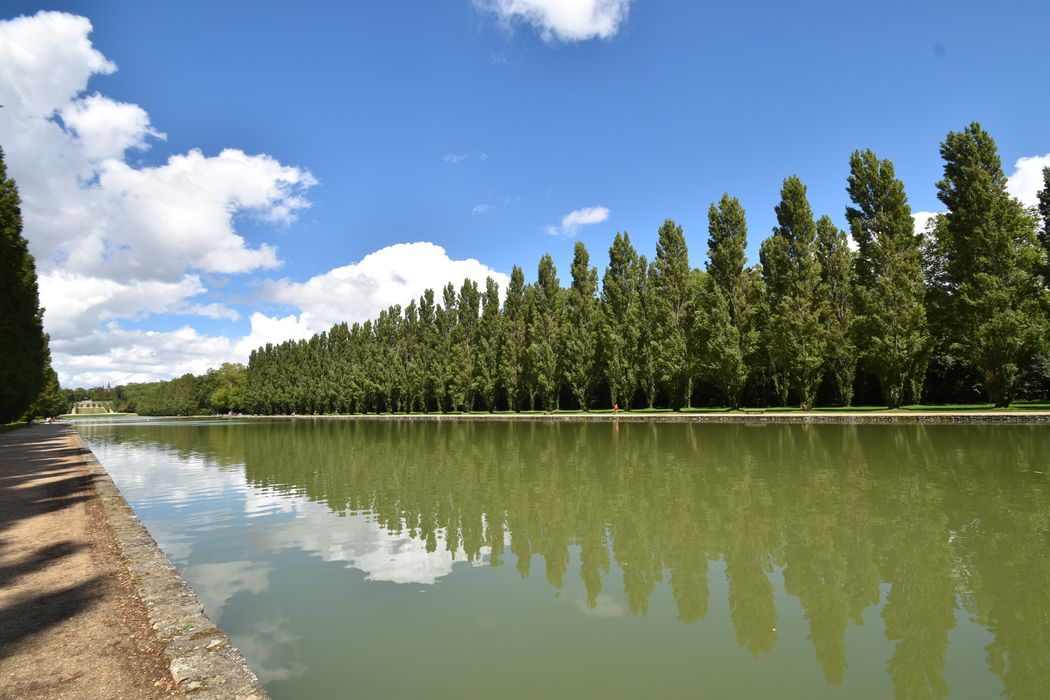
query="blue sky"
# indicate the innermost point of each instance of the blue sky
(474, 126)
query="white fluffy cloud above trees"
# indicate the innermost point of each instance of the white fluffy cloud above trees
(117, 242)
(563, 20)
(393, 275)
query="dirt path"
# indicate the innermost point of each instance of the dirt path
(71, 623)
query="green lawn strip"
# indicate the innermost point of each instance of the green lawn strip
(1034, 406)
(93, 416)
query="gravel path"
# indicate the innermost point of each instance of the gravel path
(71, 622)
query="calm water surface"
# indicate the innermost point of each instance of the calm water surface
(397, 559)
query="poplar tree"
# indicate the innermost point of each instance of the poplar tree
(646, 357)
(893, 335)
(25, 354)
(512, 339)
(489, 345)
(50, 402)
(411, 357)
(724, 316)
(465, 345)
(837, 290)
(427, 332)
(620, 316)
(546, 331)
(672, 313)
(988, 243)
(444, 326)
(794, 333)
(581, 328)
(1044, 236)
(529, 370)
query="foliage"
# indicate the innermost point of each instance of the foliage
(581, 328)
(987, 240)
(671, 314)
(839, 319)
(725, 313)
(621, 321)
(891, 322)
(967, 300)
(794, 336)
(25, 359)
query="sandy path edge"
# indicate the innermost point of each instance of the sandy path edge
(178, 637)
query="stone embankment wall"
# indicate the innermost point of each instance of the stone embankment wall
(202, 661)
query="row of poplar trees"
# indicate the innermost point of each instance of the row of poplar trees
(957, 311)
(28, 385)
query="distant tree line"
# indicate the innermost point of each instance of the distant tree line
(217, 391)
(957, 313)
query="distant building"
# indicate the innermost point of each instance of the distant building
(82, 407)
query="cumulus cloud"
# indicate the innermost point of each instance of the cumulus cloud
(117, 356)
(481, 209)
(571, 222)
(114, 240)
(392, 275)
(1027, 179)
(1023, 184)
(107, 128)
(922, 220)
(563, 20)
(77, 304)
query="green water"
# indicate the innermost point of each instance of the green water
(397, 559)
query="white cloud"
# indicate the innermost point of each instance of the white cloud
(563, 20)
(571, 222)
(1023, 184)
(392, 275)
(922, 220)
(45, 59)
(268, 329)
(75, 304)
(107, 128)
(1027, 179)
(481, 209)
(114, 240)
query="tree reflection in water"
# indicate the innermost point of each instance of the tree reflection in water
(947, 518)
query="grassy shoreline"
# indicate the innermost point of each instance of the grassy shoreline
(1034, 414)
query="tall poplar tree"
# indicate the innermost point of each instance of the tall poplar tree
(837, 289)
(489, 345)
(25, 354)
(529, 366)
(647, 368)
(512, 339)
(581, 328)
(988, 242)
(1044, 235)
(465, 346)
(427, 332)
(672, 313)
(724, 316)
(411, 358)
(892, 330)
(620, 316)
(546, 331)
(444, 352)
(795, 337)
